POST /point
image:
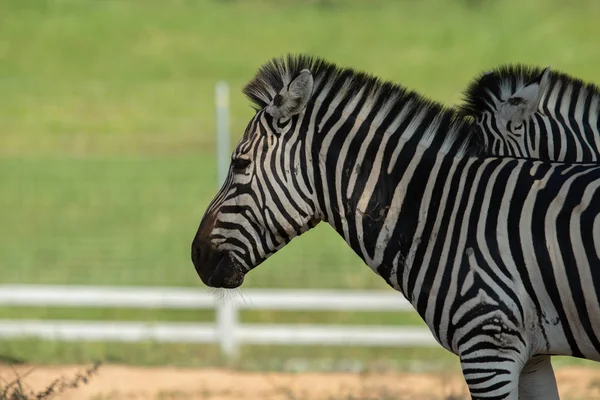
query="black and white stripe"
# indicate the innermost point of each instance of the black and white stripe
(537, 113)
(499, 256)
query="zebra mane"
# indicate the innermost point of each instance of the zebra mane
(457, 131)
(501, 82)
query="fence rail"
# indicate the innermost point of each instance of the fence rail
(226, 330)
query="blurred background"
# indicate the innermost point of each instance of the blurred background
(107, 141)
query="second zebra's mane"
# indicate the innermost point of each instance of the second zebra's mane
(500, 83)
(455, 133)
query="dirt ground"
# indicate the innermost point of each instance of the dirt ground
(114, 382)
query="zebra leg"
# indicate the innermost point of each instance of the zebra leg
(492, 377)
(537, 380)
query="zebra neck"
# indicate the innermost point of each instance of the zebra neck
(372, 159)
(381, 212)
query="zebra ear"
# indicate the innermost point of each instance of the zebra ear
(292, 99)
(525, 101)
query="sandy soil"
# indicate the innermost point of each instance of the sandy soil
(114, 382)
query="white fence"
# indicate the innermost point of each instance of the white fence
(226, 330)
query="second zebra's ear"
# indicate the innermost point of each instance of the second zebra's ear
(525, 101)
(292, 99)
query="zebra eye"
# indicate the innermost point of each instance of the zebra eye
(240, 164)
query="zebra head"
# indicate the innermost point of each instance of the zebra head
(518, 108)
(503, 102)
(266, 199)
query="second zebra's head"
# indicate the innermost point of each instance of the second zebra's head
(503, 102)
(267, 197)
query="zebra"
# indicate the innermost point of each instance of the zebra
(499, 256)
(528, 111)
(534, 112)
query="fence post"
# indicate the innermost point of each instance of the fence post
(227, 323)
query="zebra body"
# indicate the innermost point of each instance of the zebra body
(537, 113)
(499, 256)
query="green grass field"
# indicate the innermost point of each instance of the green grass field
(107, 129)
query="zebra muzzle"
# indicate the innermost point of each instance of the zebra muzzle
(215, 268)
(227, 274)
